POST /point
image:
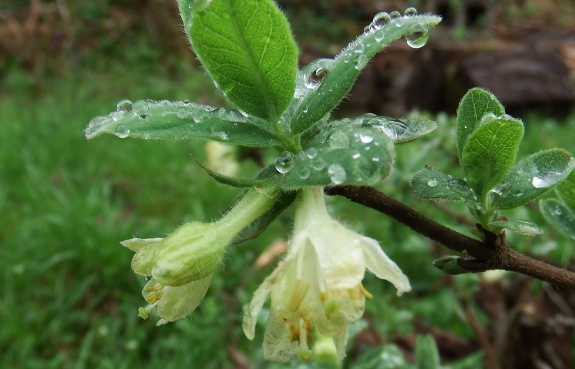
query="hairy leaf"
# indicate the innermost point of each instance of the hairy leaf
(248, 49)
(476, 103)
(432, 184)
(532, 177)
(489, 154)
(566, 190)
(524, 227)
(181, 120)
(559, 215)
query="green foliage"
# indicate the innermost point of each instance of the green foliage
(426, 354)
(248, 49)
(560, 213)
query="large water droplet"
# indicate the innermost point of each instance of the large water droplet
(141, 107)
(417, 36)
(122, 131)
(316, 71)
(409, 12)
(361, 62)
(356, 155)
(186, 102)
(432, 182)
(547, 180)
(517, 192)
(337, 173)
(338, 140)
(284, 162)
(311, 152)
(394, 15)
(124, 106)
(318, 163)
(558, 211)
(380, 20)
(182, 113)
(303, 172)
(117, 115)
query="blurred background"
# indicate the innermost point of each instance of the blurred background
(68, 296)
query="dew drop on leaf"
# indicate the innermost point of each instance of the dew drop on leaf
(182, 113)
(311, 152)
(117, 115)
(356, 155)
(303, 172)
(284, 161)
(517, 192)
(337, 173)
(124, 106)
(558, 211)
(186, 102)
(316, 71)
(375, 158)
(122, 131)
(409, 12)
(338, 140)
(365, 138)
(432, 182)
(417, 36)
(547, 180)
(141, 107)
(318, 163)
(380, 20)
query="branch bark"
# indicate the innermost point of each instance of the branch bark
(494, 253)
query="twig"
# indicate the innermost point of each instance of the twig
(493, 253)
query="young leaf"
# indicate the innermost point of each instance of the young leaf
(532, 177)
(489, 154)
(426, 353)
(559, 215)
(341, 155)
(248, 49)
(431, 184)
(323, 84)
(524, 227)
(177, 120)
(476, 103)
(566, 190)
(227, 180)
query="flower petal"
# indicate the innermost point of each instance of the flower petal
(382, 266)
(278, 345)
(340, 342)
(135, 244)
(254, 308)
(178, 302)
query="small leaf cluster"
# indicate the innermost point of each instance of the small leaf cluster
(560, 211)
(487, 144)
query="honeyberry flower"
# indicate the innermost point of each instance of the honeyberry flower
(318, 283)
(182, 264)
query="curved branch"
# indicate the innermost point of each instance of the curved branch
(494, 253)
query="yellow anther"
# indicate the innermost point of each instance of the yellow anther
(364, 292)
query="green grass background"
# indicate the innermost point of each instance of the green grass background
(68, 296)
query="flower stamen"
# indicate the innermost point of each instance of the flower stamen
(365, 292)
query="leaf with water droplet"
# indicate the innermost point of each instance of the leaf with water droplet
(417, 36)
(559, 215)
(566, 190)
(178, 120)
(489, 154)
(345, 69)
(476, 103)
(337, 156)
(549, 166)
(248, 49)
(432, 184)
(523, 227)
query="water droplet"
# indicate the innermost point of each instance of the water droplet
(432, 182)
(417, 36)
(361, 62)
(316, 71)
(209, 108)
(356, 155)
(359, 48)
(409, 12)
(311, 152)
(303, 172)
(380, 20)
(397, 18)
(186, 102)
(122, 131)
(284, 162)
(220, 134)
(379, 36)
(558, 211)
(547, 180)
(318, 163)
(365, 138)
(337, 173)
(305, 109)
(517, 192)
(124, 106)
(182, 113)
(375, 158)
(197, 118)
(243, 113)
(338, 140)
(143, 116)
(141, 107)
(117, 115)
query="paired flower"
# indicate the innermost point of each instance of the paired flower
(318, 283)
(182, 264)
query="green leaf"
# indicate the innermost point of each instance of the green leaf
(324, 83)
(532, 177)
(177, 120)
(227, 180)
(260, 224)
(432, 184)
(426, 353)
(476, 104)
(248, 49)
(566, 190)
(559, 215)
(524, 227)
(340, 155)
(489, 154)
(448, 264)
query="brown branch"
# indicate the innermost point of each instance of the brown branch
(494, 253)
